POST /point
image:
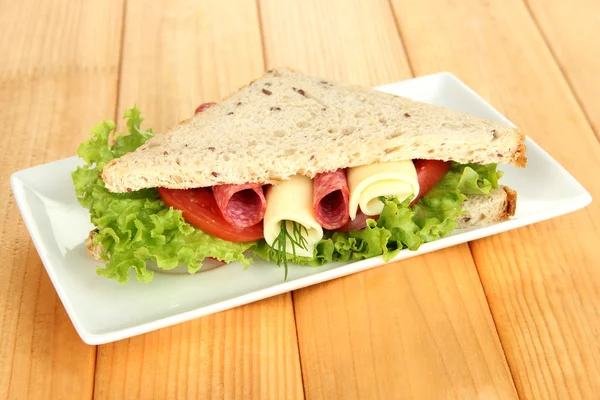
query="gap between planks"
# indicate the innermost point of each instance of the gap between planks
(264, 54)
(291, 294)
(120, 67)
(560, 68)
(412, 72)
(402, 42)
(487, 301)
(116, 118)
(579, 102)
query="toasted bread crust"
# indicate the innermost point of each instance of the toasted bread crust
(511, 203)
(520, 158)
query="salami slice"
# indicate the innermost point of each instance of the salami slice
(330, 199)
(241, 205)
(203, 107)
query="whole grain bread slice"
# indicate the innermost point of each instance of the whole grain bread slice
(288, 123)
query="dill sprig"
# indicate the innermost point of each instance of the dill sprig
(296, 237)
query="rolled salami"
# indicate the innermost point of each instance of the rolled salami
(330, 199)
(241, 205)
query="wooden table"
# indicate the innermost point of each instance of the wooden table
(513, 315)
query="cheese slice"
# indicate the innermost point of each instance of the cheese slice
(292, 200)
(367, 183)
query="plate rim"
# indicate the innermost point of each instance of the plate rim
(19, 186)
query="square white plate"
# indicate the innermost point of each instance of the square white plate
(103, 310)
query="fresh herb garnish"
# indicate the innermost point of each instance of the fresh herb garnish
(296, 238)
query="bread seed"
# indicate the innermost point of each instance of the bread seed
(301, 92)
(239, 103)
(267, 92)
(323, 82)
(230, 113)
(407, 115)
(215, 174)
(165, 153)
(211, 148)
(275, 109)
(129, 190)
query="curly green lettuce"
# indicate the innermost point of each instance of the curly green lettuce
(137, 228)
(400, 226)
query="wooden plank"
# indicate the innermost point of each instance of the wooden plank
(416, 329)
(570, 29)
(56, 81)
(542, 282)
(246, 353)
(200, 51)
(354, 41)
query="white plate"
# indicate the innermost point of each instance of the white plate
(103, 310)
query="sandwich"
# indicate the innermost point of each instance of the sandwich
(293, 169)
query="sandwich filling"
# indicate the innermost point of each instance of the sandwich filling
(351, 214)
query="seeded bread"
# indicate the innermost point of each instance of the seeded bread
(480, 210)
(288, 123)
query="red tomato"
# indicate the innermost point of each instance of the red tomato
(429, 173)
(203, 107)
(200, 209)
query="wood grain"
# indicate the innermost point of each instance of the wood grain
(571, 29)
(542, 281)
(57, 78)
(199, 51)
(417, 329)
(354, 41)
(244, 353)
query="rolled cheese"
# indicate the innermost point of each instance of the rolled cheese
(367, 183)
(292, 201)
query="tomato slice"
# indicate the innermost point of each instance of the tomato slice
(200, 209)
(429, 173)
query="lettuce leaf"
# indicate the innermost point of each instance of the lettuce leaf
(400, 226)
(137, 228)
